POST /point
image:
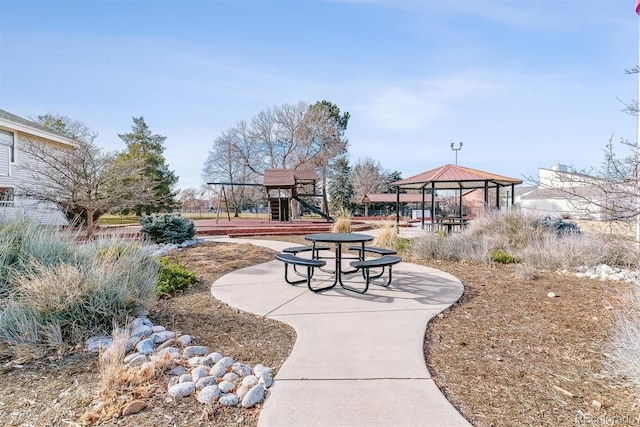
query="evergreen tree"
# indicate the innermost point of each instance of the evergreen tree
(142, 144)
(340, 188)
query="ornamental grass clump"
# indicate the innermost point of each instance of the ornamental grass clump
(624, 341)
(517, 237)
(387, 237)
(57, 292)
(342, 223)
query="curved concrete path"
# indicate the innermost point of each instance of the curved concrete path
(358, 360)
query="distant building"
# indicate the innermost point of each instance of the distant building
(570, 195)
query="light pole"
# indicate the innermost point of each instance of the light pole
(456, 192)
(456, 150)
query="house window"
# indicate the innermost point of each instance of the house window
(6, 139)
(6, 196)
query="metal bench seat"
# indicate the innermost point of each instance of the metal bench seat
(295, 260)
(367, 265)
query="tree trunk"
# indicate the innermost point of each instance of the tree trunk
(90, 225)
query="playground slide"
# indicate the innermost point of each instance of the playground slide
(313, 208)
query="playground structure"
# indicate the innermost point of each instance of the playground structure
(288, 187)
(287, 190)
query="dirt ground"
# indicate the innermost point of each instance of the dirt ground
(506, 354)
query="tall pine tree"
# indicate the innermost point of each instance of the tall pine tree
(340, 188)
(142, 144)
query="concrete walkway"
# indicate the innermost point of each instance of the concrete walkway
(358, 360)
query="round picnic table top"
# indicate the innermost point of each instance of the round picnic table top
(339, 237)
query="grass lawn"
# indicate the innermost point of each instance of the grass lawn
(111, 219)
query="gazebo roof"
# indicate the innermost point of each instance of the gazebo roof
(453, 177)
(391, 198)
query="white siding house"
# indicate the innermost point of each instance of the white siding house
(15, 132)
(563, 193)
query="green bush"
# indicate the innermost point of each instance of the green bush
(57, 292)
(172, 277)
(167, 228)
(503, 257)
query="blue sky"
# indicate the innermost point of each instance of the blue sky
(524, 84)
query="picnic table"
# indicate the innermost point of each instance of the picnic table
(339, 239)
(357, 242)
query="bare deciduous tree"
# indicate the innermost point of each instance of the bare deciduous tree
(223, 164)
(285, 137)
(84, 180)
(367, 177)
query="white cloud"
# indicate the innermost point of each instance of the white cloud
(416, 105)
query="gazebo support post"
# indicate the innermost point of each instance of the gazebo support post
(433, 205)
(460, 201)
(513, 195)
(422, 209)
(486, 195)
(498, 197)
(397, 212)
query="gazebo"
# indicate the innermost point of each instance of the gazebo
(453, 177)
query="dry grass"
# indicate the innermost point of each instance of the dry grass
(387, 237)
(342, 223)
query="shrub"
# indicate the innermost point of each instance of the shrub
(173, 277)
(58, 292)
(503, 257)
(513, 229)
(536, 241)
(570, 251)
(167, 228)
(561, 226)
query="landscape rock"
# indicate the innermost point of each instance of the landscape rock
(139, 360)
(215, 357)
(250, 380)
(199, 372)
(194, 350)
(163, 336)
(253, 397)
(141, 331)
(260, 370)
(184, 339)
(213, 375)
(208, 394)
(135, 323)
(241, 369)
(266, 380)
(182, 389)
(134, 407)
(226, 386)
(205, 381)
(230, 376)
(228, 399)
(178, 370)
(145, 346)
